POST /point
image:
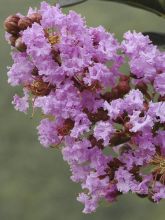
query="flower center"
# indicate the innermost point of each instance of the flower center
(54, 39)
(159, 168)
(40, 88)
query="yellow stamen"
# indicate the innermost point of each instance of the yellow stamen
(54, 39)
(159, 167)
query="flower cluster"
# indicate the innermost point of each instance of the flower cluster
(109, 125)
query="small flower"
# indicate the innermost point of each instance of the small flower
(21, 104)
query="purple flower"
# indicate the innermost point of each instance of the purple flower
(159, 84)
(48, 135)
(49, 13)
(159, 192)
(124, 180)
(157, 111)
(115, 108)
(103, 131)
(143, 55)
(134, 43)
(159, 140)
(139, 123)
(133, 101)
(81, 125)
(100, 73)
(20, 72)
(90, 204)
(21, 104)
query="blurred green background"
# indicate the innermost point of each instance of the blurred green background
(35, 183)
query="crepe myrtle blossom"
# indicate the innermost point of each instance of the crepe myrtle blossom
(72, 73)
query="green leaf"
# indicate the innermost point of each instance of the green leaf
(155, 6)
(66, 3)
(157, 38)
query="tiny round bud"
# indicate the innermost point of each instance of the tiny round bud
(20, 45)
(12, 40)
(35, 71)
(35, 17)
(24, 23)
(124, 78)
(11, 24)
(115, 93)
(123, 87)
(142, 87)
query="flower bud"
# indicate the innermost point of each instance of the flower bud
(35, 71)
(123, 87)
(114, 93)
(146, 106)
(142, 87)
(124, 78)
(20, 45)
(24, 23)
(35, 17)
(11, 24)
(12, 40)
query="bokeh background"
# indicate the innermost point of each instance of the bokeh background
(35, 183)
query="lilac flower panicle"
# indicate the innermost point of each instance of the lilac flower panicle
(109, 125)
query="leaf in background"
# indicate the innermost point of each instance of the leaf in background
(156, 38)
(65, 3)
(155, 6)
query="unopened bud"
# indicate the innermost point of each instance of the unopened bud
(20, 45)
(35, 17)
(124, 78)
(12, 40)
(146, 106)
(35, 71)
(11, 24)
(142, 87)
(123, 87)
(24, 23)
